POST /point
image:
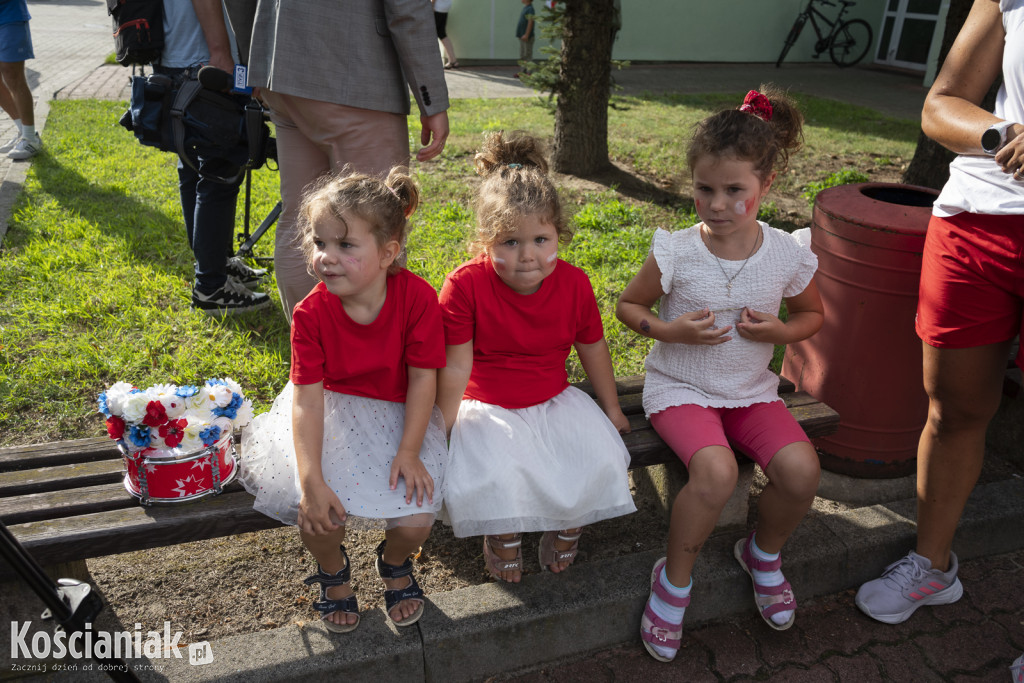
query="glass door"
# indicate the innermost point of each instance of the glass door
(907, 30)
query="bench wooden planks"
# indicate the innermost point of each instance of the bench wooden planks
(66, 501)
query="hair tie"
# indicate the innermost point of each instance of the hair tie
(757, 104)
(515, 165)
(394, 192)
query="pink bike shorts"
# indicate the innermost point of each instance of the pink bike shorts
(972, 281)
(758, 431)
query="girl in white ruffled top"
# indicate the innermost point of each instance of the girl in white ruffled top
(708, 389)
(354, 439)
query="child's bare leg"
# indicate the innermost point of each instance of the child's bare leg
(325, 548)
(792, 482)
(402, 542)
(712, 478)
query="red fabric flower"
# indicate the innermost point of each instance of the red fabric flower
(757, 104)
(115, 427)
(156, 414)
(172, 432)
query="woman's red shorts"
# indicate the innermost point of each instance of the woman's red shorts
(972, 281)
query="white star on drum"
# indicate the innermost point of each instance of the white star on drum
(188, 486)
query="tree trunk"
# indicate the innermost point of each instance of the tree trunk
(581, 116)
(930, 165)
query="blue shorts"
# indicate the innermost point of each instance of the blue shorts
(15, 42)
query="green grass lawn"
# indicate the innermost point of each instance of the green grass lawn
(96, 273)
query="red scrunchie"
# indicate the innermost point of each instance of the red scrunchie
(757, 104)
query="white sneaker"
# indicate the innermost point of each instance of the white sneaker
(9, 145)
(26, 148)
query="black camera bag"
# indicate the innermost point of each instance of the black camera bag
(179, 115)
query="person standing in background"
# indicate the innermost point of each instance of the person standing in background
(15, 95)
(441, 9)
(337, 79)
(195, 33)
(525, 34)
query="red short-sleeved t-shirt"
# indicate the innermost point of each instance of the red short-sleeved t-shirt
(368, 360)
(520, 341)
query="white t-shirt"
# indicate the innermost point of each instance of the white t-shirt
(976, 183)
(734, 374)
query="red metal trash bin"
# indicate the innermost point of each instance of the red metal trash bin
(866, 360)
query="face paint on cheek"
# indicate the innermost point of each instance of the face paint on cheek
(352, 263)
(552, 257)
(497, 259)
(697, 204)
(740, 208)
(750, 205)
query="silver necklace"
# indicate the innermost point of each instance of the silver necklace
(728, 280)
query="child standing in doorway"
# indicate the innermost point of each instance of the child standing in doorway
(708, 388)
(355, 439)
(528, 451)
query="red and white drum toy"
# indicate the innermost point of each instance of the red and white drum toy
(173, 476)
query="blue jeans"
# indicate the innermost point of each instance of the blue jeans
(208, 208)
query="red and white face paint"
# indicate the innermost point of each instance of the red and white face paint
(727, 194)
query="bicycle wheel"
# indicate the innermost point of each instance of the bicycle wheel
(850, 42)
(794, 33)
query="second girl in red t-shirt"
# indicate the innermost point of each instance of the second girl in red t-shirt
(528, 451)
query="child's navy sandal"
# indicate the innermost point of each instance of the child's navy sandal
(325, 605)
(392, 597)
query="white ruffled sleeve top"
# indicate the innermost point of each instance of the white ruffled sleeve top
(734, 374)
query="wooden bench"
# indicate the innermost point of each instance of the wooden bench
(65, 501)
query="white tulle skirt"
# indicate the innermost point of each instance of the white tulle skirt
(557, 465)
(361, 438)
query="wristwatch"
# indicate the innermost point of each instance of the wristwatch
(993, 139)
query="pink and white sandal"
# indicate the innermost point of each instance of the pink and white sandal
(769, 599)
(653, 629)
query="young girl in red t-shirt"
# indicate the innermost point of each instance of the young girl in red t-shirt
(358, 414)
(529, 452)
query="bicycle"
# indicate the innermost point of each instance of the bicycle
(846, 41)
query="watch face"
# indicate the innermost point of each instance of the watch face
(990, 140)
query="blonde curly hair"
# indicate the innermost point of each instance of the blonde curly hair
(515, 184)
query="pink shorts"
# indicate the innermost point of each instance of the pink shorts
(758, 431)
(972, 282)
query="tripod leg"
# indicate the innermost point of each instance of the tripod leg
(246, 248)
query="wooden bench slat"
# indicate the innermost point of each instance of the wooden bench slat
(138, 528)
(20, 482)
(57, 453)
(634, 384)
(33, 507)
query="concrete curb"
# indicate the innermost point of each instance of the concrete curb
(472, 633)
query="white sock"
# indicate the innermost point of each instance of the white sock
(773, 578)
(28, 131)
(666, 611)
(17, 122)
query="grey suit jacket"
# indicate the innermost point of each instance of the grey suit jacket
(360, 53)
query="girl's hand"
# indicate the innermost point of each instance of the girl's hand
(618, 419)
(696, 327)
(417, 480)
(760, 327)
(320, 510)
